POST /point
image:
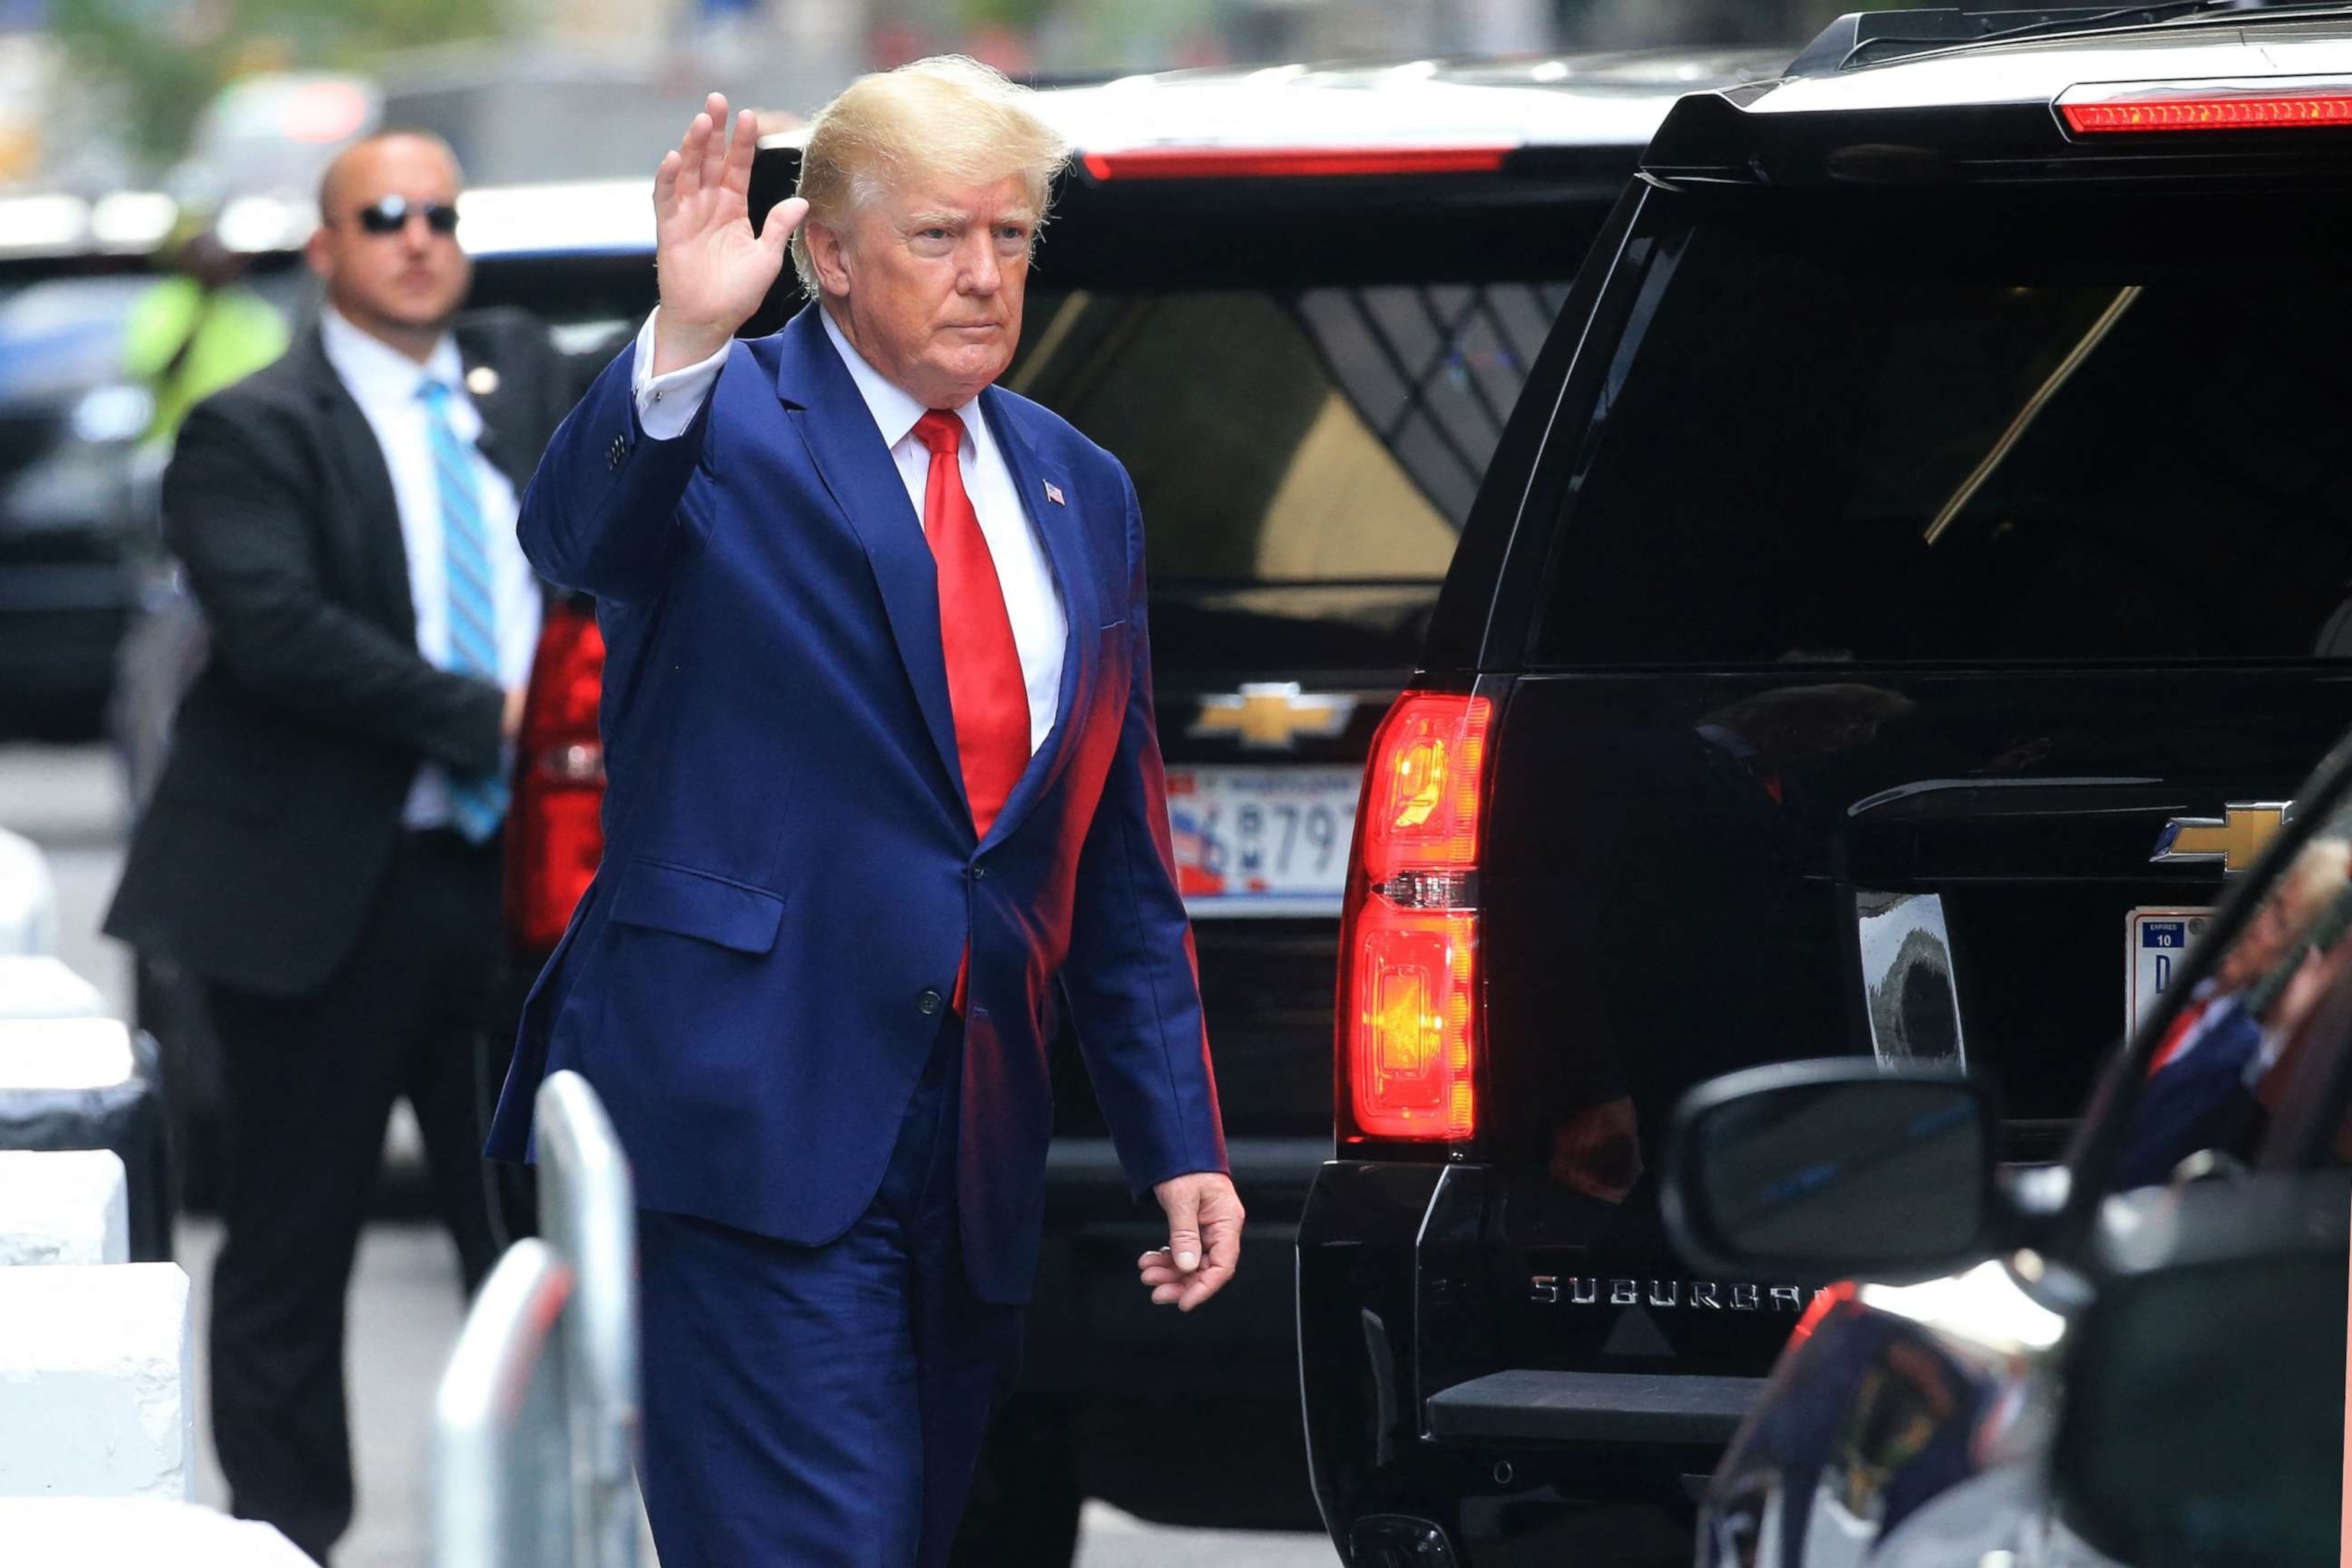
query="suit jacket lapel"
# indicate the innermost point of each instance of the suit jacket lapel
(496, 400)
(372, 533)
(1059, 526)
(832, 416)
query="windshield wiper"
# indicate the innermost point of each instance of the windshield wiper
(2126, 297)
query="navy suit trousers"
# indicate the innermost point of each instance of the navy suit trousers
(823, 1406)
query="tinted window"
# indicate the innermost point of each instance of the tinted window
(592, 302)
(1967, 428)
(1303, 456)
(1325, 436)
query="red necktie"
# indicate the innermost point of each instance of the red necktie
(985, 689)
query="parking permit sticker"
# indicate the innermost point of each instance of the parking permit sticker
(2154, 942)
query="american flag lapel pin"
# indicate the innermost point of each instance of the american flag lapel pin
(1053, 493)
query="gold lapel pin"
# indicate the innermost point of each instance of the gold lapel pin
(481, 380)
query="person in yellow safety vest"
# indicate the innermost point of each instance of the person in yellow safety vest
(198, 330)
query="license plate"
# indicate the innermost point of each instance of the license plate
(1262, 841)
(2154, 939)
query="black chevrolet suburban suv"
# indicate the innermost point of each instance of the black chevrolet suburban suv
(1918, 563)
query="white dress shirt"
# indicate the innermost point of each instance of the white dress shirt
(667, 404)
(385, 383)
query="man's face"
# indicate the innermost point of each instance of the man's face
(410, 278)
(928, 279)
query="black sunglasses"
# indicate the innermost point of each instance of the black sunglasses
(391, 216)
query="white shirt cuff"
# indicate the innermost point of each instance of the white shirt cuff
(667, 404)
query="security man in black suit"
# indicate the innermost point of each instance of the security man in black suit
(322, 848)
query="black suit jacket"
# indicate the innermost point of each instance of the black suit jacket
(270, 830)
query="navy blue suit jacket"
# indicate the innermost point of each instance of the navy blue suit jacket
(790, 876)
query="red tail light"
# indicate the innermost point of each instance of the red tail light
(2102, 111)
(555, 829)
(1407, 1006)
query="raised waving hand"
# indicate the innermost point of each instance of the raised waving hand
(713, 271)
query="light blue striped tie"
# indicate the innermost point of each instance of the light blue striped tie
(476, 804)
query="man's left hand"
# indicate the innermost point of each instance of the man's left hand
(1204, 1240)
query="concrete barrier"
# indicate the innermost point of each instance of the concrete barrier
(42, 985)
(65, 1056)
(136, 1532)
(28, 897)
(91, 1083)
(64, 1208)
(95, 1385)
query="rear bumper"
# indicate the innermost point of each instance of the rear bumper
(1421, 1455)
(1533, 1404)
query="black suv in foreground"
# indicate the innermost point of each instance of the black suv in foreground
(1917, 567)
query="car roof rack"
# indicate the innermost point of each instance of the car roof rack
(1867, 37)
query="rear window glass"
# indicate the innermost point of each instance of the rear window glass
(1324, 436)
(1972, 427)
(1328, 440)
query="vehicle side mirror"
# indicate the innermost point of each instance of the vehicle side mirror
(2204, 1412)
(1825, 1169)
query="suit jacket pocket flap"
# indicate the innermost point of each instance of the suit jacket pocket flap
(696, 904)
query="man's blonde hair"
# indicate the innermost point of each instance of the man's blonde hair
(945, 118)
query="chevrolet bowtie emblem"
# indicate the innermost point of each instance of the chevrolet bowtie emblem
(1270, 716)
(2233, 840)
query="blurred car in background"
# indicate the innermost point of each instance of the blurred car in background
(105, 334)
(77, 526)
(101, 344)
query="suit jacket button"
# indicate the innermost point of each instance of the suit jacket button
(927, 1002)
(980, 873)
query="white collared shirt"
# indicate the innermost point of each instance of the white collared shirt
(667, 404)
(386, 383)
